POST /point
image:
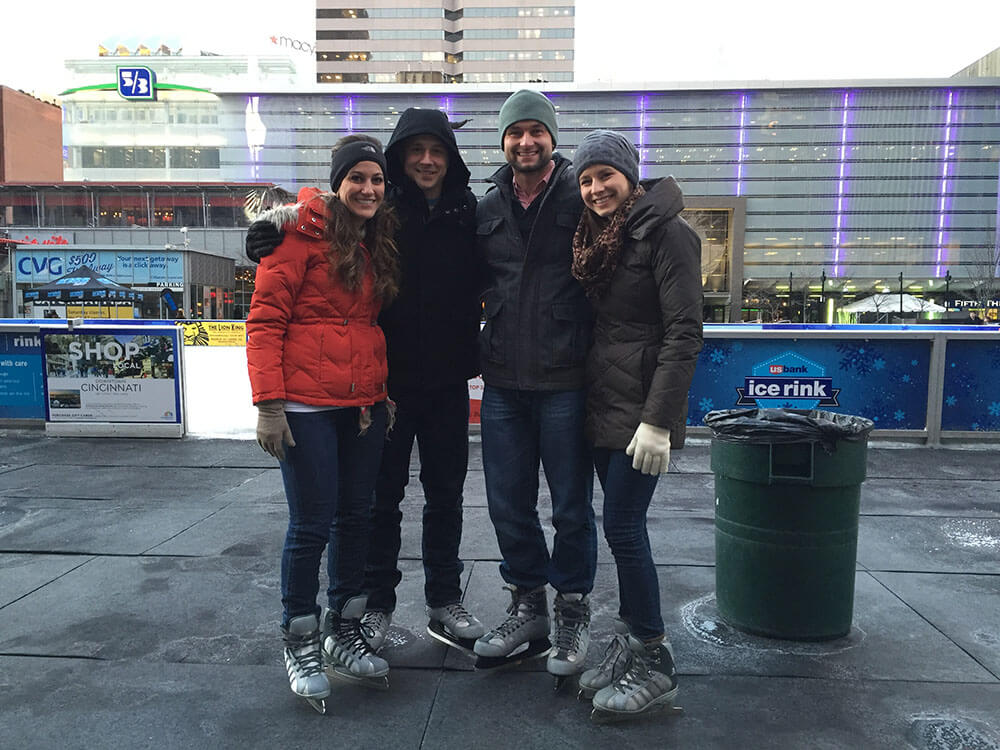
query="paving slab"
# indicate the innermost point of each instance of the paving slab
(152, 484)
(76, 704)
(954, 604)
(885, 635)
(720, 712)
(929, 544)
(91, 527)
(20, 574)
(931, 497)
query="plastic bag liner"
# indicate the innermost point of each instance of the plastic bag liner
(770, 426)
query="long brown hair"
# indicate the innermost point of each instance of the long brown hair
(346, 257)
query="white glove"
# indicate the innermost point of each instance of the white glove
(650, 449)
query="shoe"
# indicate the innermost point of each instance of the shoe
(304, 661)
(571, 637)
(457, 620)
(617, 659)
(649, 683)
(527, 623)
(346, 649)
(375, 627)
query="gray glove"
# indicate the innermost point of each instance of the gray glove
(272, 428)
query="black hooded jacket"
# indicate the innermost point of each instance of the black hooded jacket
(432, 326)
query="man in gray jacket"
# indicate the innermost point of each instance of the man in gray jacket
(532, 353)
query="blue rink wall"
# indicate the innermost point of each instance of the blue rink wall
(928, 383)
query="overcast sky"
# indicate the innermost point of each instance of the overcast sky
(617, 41)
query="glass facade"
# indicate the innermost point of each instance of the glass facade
(843, 188)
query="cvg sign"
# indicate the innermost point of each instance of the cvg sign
(39, 265)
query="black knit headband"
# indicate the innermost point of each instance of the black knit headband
(350, 154)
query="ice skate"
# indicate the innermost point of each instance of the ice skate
(648, 686)
(617, 659)
(571, 637)
(375, 627)
(454, 626)
(523, 635)
(304, 661)
(347, 652)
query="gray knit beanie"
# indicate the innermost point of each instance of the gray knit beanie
(608, 147)
(528, 105)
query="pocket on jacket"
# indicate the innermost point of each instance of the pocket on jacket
(492, 247)
(568, 337)
(491, 343)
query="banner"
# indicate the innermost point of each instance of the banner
(883, 380)
(971, 397)
(21, 386)
(214, 332)
(111, 375)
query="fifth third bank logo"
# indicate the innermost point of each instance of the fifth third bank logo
(788, 380)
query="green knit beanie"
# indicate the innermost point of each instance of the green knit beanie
(528, 105)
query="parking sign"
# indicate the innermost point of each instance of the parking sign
(136, 82)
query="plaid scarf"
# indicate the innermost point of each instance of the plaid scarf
(597, 246)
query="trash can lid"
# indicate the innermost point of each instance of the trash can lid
(769, 426)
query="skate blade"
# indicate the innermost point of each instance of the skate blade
(534, 650)
(466, 645)
(562, 679)
(372, 683)
(586, 694)
(604, 716)
(317, 703)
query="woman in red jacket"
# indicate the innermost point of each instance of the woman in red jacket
(317, 366)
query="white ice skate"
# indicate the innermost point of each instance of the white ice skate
(304, 661)
(454, 626)
(346, 650)
(523, 635)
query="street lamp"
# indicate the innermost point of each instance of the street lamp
(789, 297)
(822, 293)
(947, 286)
(900, 294)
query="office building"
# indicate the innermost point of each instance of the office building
(444, 41)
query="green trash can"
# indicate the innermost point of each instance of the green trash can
(787, 495)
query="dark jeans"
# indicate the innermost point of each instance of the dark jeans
(438, 419)
(627, 493)
(519, 429)
(329, 476)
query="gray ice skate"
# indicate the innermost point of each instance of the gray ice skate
(347, 651)
(523, 635)
(571, 637)
(617, 659)
(454, 626)
(648, 686)
(304, 661)
(375, 627)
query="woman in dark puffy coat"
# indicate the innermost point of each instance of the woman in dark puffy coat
(640, 264)
(317, 363)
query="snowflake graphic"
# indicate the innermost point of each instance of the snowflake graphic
(738, 346)
(857, 358)
(787, 405)
(913, 362)
(994, 409)
(951, 400)
(906, 378)
(900, 415)
(878, 364)
(706, 404)
(717, 356)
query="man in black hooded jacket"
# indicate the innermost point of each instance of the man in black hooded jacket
(431, 331)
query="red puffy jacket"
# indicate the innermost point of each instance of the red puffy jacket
(308, 339)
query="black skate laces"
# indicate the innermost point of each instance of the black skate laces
(617, 657)
(351, 638)
(571, 619)
(309, 661)
(514, 621)
(371, 623)
(458, 612)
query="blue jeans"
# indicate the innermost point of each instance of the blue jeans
(519, 429)
(627, 494)
(438, 419)
(329, 476)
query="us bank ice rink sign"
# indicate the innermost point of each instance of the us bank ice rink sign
(885, 380)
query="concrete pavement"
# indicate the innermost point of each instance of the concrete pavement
(139, 608)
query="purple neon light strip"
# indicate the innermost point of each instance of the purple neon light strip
(943, 203)
(841, 183)
(739, 155)
(643, 103)
(444, 104)
(350, 113)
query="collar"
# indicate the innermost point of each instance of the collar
(526, 198)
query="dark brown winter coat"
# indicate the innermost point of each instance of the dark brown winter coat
(648, 331)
